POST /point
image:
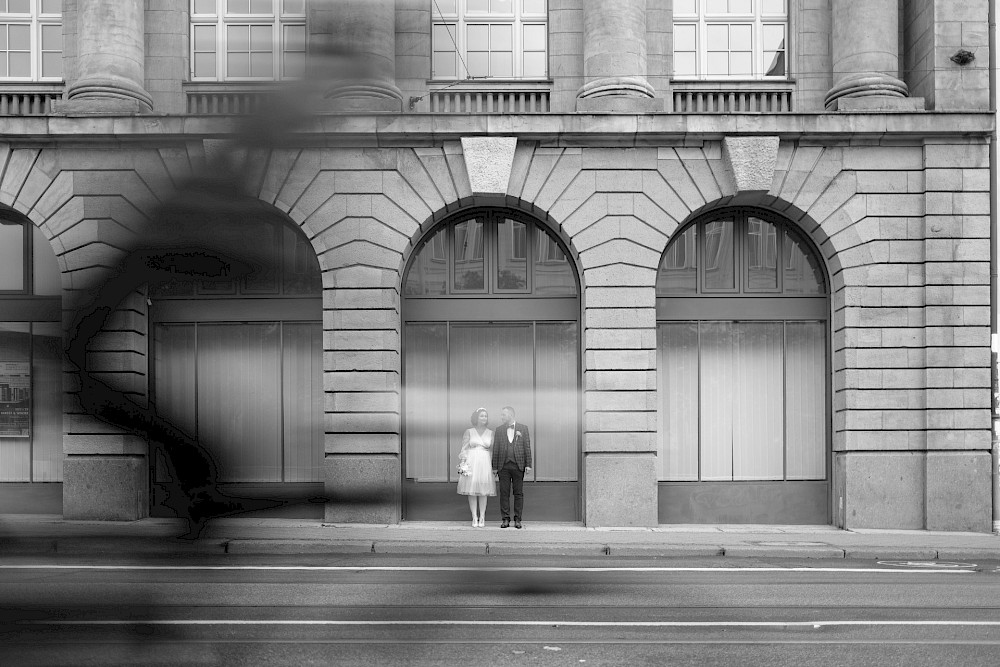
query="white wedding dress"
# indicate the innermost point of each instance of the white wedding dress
(476, 451)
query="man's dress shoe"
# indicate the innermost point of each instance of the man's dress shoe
(505, 524)
(517, 524)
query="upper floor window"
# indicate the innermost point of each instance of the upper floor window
(489, 39)
(31, 40)
(247, 40)
(730, 39)
(27, 264)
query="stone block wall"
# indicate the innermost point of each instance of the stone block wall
(168, 34)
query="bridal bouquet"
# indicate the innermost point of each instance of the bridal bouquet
(463, 468)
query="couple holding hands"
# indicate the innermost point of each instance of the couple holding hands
(489, 456)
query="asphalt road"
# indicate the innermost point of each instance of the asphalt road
(360, 610)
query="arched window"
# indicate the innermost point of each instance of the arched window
(742, 314)
(490, 318)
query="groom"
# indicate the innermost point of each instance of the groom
(511, 459)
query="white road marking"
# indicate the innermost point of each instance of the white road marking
(418, 568)
(551, 623)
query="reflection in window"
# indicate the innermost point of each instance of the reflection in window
(719, 255)
(12, 257)
(428, 274)
(469, 261)
(746, 240)
(679, 270)
(512, 254)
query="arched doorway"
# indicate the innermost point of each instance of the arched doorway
(743, 373)
(236, 362)
(31, 369)
(490, 318)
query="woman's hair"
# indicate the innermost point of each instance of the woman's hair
(475, 416)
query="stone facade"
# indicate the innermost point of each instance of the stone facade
(898, 204)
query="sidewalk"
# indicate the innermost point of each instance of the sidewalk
(46, 534)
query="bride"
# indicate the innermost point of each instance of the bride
(476, 467)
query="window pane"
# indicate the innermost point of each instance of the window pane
(261, 38)
(204, 65)
(261, 65)
(446, 6)
(740, 7)
(479, 63)
(294, 64)
(679, 269)
(761, 255)
(502, 6)
(534, 6)
(468, 254)
(501, 38)
(204, 6)
(478, 6)
(295, 38)
(685, 37)
(686, 7)
(677, 385)
(758, 440)
(534, 65)
(534, 38)
(775, 63)
(238, 6)
(774, 37)
(718, 64)
(802, 274)
(426, 388)
(52, 6)
(3, 36)
(805, 398)
(512, 255)
(445, 64)
(19, 6)
(238, 38)
(52, 38)
(294, 6)
(20, 64)
(19, 37)
(478, 36)
(719, 255)
(718, 37)
(684, 64)
(502, 64)
(238, 64)
(741, 63)
(716, 400)
(428, 275)
(261, 7)
(553, 273)
(556, 387)
(773, 6)
(444, 37)
(740, 37)
(11, 257)
(52, 65)
(204, 38)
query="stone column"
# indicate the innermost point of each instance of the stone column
(353, 54)
(865, 45)
(110, 59)
(614, 58)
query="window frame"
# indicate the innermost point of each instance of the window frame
(756, 19)
(278, 20)
(457, 24)
(36, 20)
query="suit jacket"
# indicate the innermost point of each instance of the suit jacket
(522, 446)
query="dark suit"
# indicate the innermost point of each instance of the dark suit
(510, 458)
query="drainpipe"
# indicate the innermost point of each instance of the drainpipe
(995, 448)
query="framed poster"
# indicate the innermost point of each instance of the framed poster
(15, 399)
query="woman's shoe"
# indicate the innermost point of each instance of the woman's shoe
(482, 523)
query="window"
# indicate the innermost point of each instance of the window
(489, 39)
(730, 39)
(247, 40)
(491, 252)
(742, 349)
(27, 264)
(31, 40)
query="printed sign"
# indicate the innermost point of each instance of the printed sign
(15, 399)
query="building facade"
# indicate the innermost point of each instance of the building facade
(730, 260)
